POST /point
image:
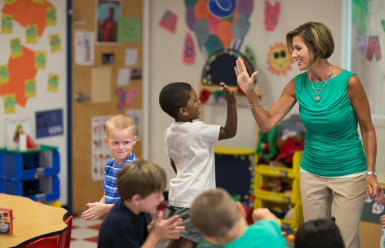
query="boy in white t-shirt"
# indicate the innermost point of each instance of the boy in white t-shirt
(190, 146)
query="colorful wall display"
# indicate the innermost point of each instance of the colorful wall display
(49, 123)
(279, 59)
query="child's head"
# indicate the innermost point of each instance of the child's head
(215, 213)
(319, 234)
(143, 183)
(180, 101)
(120, 137)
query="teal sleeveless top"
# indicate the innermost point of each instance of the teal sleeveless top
(332, 144)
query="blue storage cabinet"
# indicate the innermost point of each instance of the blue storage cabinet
(32, 174)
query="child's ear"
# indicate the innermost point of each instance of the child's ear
(212, 240)
(134, 141)
(136, 199)
(241, 209)
(106, 140)
(183, 111)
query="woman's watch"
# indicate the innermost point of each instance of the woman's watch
(371, 173)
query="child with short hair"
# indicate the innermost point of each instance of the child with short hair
(222, 221)
(319, 233)
(190, 146)
(140, 186)
(120, 137)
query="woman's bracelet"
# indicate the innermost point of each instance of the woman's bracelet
(252, 105)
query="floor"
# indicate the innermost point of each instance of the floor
(85, 234)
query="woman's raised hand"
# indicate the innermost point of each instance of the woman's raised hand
(245, 82)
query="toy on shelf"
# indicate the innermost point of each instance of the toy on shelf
(26, 143)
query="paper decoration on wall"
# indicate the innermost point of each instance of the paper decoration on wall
(108, 59)
(16, 49)
(271, 15)
(6, 24)
(215, 33)
(129, 29)
(55, 43)
(373, 48)
(130, 57)
(279, 59)
(100, 152)
(84, 48)
(15, 126)
(361, 43)
(53, 82)
(221, 8)
(40, 59)
(169, 21)
(126, 98)
(9, 103)
(188, 49)
(136, 115)
(21, 12)
(101, 84)
(136, 74)
(4, 74)
(38, 1)
(51, 16)
(26, 64)
(8, 2)
(360, 11)
(30, 88)
(219, 67)
(124, 75)
(31, 31)
(251, 56)
(49, 123)
(383, 24)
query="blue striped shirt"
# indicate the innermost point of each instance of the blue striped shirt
(111, 170)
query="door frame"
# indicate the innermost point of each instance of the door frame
(146, 92)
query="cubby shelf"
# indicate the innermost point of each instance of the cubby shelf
(21, 171)
(267, 199)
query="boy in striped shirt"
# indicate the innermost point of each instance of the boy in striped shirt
(120, 137)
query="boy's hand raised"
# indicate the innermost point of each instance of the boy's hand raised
(229, 94)
(167, 229)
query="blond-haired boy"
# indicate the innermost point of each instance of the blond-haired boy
(222, 221)
(120, 137)
(140, 186)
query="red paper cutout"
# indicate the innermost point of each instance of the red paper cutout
(373, 48)
(188, 49)
(168, 21)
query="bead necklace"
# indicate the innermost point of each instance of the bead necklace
(317, 98)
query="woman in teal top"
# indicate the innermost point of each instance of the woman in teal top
(335, 165)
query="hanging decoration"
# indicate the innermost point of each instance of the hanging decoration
(271, 15)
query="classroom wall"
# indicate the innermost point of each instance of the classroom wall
(44, 100)
(167, 65)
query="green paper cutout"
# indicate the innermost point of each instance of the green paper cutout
(251, 57)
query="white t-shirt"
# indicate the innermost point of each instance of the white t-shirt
(191, 147)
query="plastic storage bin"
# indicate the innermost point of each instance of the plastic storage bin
(28, 165)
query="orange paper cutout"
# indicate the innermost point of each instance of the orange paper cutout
(224, 33)
(19, 70)
(27, 12)
(201, 10)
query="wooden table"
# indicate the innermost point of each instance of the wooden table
(32, 220)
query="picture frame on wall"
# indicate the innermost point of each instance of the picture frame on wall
(14, 126)
(107, 14)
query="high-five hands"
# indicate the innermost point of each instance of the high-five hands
(245, 82)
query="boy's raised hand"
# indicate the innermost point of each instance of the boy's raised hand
(229, 94)
(167, 229)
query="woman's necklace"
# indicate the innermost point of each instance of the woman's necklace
(317, 98)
